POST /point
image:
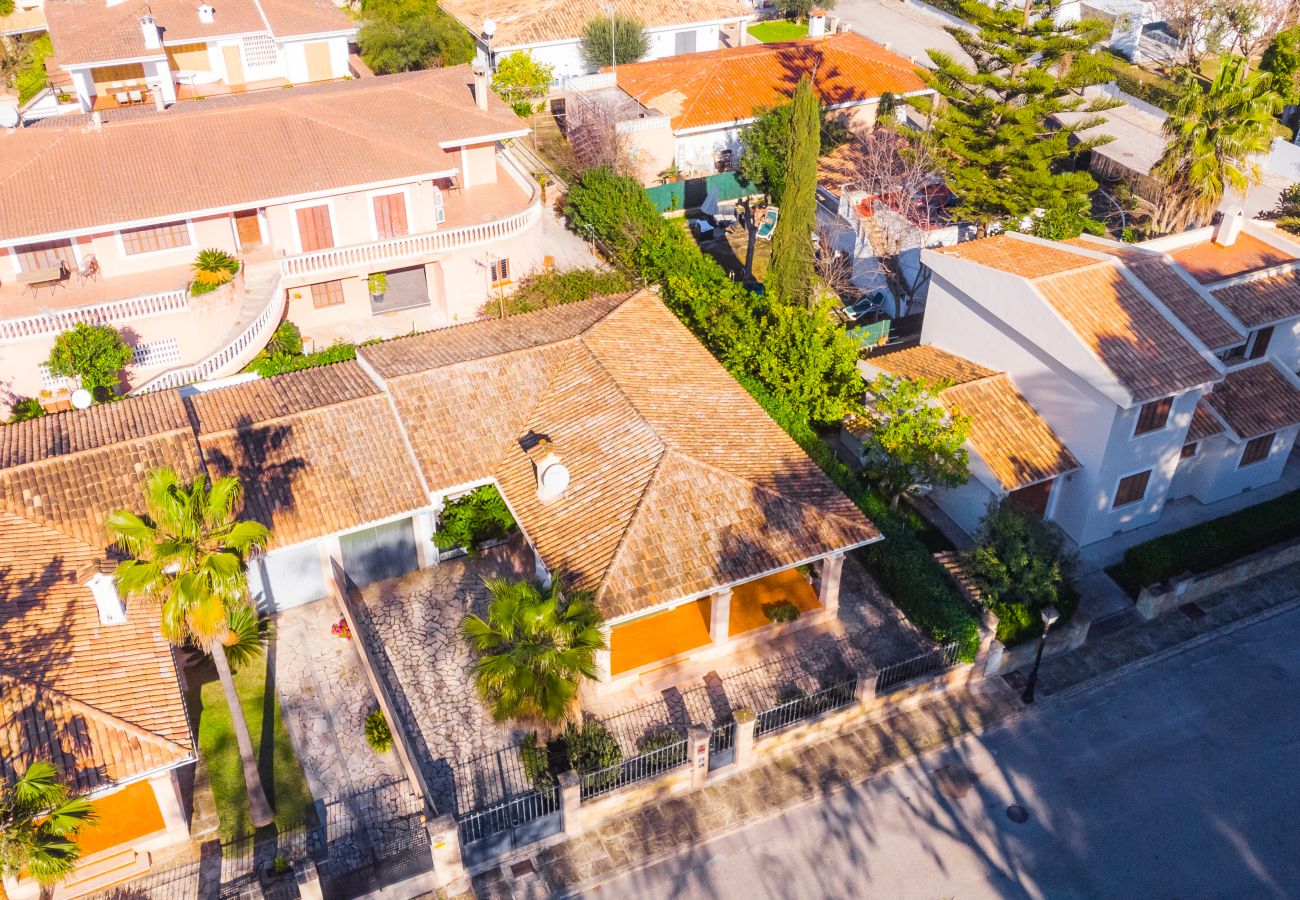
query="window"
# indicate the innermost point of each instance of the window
(1259, 341)
(1257, 450)
(1189, 450)
(1131, 489)
(45, 255)
(439, 212)
(1233, 354)
(500, 270)
(390, 216)
(1153, 416)
(327, 293)
(152, 238)
(314, 231)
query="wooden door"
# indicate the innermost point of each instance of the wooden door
(314, 228)
(390, 216)
(318, 61)
(248, 228)
(234, 64)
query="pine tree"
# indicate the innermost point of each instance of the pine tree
(1002, 156)
(790, 274)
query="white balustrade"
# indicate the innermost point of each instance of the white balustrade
(58, 321)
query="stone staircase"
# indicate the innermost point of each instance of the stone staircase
(103, 873)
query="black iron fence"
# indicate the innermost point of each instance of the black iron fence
(634, 769)
(800, 706)
(926, 665)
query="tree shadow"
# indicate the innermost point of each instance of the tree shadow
(264, 458)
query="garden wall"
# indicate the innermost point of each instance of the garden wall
(1155, 600)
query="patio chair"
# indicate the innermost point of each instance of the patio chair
(136, 96)
(89, 269)
(122, 98)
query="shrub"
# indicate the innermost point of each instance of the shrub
(557, 288)
(592, 748)
(1209, 544)
(662, 737)
(536, 761)
(469, 521)
(32, 77)
(213, 268)
(24, 409)
(377, 284)
(93, 354)
(781, 611)
(266, 364)
(287, 340)
(378, 735)
(280, 864)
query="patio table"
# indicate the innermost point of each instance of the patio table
(50, 277)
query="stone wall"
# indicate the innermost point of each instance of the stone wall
(1155, 600)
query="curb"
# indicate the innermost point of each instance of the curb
(1087, 686)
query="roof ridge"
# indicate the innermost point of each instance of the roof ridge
(108, 718)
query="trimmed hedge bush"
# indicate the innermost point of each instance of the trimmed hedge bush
(266, 364)
(557, 288)
(781, 611)
(1210, 544)
(471, 520)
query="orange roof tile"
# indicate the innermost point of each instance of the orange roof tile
(1205, 424)
(530, 22)
(1260, 301)
(1016, 256)
(927, 362)
(1255, 400)
(726, 86)
(306, 141)
(1209, 262)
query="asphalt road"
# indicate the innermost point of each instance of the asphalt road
(1181, 780)
(906, 29)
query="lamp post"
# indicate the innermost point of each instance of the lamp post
(611, 8)
(1050, 615)
(489, 29)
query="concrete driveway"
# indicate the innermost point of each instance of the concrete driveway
(906, 28)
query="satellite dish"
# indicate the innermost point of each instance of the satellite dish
(555, 479)
(8, 116)
(81, 398)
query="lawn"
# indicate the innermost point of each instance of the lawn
(778, 30)
(282, 776)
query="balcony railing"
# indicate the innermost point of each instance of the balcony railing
(379, 253)
(58, 321)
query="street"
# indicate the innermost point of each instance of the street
(1177, 780)
(904, 28)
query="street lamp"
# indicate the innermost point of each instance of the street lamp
(611, 8)
(1050, 615)
(489, 29)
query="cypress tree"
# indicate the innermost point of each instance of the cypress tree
(790, 275)
(1002, 157)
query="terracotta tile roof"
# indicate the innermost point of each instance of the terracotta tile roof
(1260, 301)
(305, 141)
(1008, 434)
(927, 362)
(529, 22)
(91, 31)
(91, 429)
(725, 86)
(1205, 424)
(1255, 400)
(1017, 256)
(318, 451)
(1209, 262)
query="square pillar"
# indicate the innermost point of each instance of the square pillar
(603, 656)
(167, 793)
(864, 691)
(571, 802)
(426, 554)
(448, 866)
(832, 569)
(720, 617)
(697, 746)
(746, 723)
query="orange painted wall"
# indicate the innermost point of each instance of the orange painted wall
(660, 636)
(747, 600)
(124, 817)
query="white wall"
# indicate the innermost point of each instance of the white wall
(1217, 476)
(566, 57)
(294, 58)
(698, 152)
(664, 42)
(965, 504)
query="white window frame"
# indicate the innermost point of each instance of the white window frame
(439, 210)
(307, 204)
(370, 207)
(1241, 455)
(1114, 493)
(121, 244)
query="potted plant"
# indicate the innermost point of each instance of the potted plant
(672, 173)
(378, 284)
(212, 269)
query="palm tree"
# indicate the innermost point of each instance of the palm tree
(535, 647)
(1215, 137)
(190, 557)
(38, 821)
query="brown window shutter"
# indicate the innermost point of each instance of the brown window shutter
(390, 216)
(314, 228)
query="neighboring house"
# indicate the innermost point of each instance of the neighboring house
(314, 189)
(552, 31)
(28, 17)
(690, 111)
(124, 52)
(84, 683)
(1141, 373)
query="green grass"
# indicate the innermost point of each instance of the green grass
(282, 776)
(778, 30)
(32, 77)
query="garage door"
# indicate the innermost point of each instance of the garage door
(385, 551)
(289, 577)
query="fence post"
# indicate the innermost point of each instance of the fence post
(864, 692)
(308, 878)
(697, 742)
(746, 722)
(448, 866)
(571, 802)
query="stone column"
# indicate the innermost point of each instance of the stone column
(864, 692)
(720, 616)
(167, 792)
(448, 866)
(697, 745)
(603, 656)
(308, 878)
(832, 568)
(571, 802)
(426, 554)
(746, 722)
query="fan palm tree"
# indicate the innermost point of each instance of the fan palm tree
(1215, 138)
(189, 556)
(38, 821)
(534, 648)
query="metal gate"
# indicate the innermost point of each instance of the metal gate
(502, 827)
(722, 745)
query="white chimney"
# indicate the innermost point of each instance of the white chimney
(817, 23)
(104, 590)
(552, 475)
(148, 28)
(1225, 233)
(480, 86)
(206, 13)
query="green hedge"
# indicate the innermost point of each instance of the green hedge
(1210, 544)
(266, 364)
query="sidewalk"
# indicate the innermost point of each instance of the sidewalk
(662, 830)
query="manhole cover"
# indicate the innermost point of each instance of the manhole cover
(1017, 813)
(954, 782)
(523, 869)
